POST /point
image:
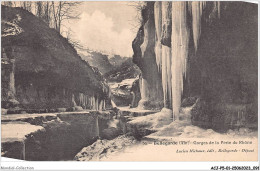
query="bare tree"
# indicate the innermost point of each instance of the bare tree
(10, 3)
(39, 9)
(7, 3)
(47, 12)
(63, 10)
(138, 6)
(75, 43)
(42, 9)
(27, 5)
(53, 13)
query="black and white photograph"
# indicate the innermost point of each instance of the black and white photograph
(129, 81)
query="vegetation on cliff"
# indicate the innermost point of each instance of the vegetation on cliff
(45, 60)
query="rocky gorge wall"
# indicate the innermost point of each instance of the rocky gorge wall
(200, 50)
(144, 58)
(54, 137)
(42, 70)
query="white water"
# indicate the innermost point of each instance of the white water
(180, 41)
(92, 103)
(89, 102)
(172, 62)
(113, 104)
(196, 9)
(158, 27)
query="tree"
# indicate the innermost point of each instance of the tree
(63, 10)
(47, 12)
(53, 13)
(8, 3)
(39, 9)
(75, 43)
(138, 6)
(27, 5)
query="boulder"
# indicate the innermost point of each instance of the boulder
(78, 108)
(61, 109)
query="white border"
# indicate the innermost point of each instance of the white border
(74, 165)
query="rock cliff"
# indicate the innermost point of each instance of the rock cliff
(144, 57)
(203, 50)
(41, 70)
(98, 60)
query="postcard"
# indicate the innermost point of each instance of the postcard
(129, 81)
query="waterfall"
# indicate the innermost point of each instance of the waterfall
(100, 106)
(196, 10)
(172, 61)
(113, 104)
(92, 102)
(73, 100)
(166, 75)
(96, 105)
(81, 99)
(217, 5)
(104, 105)
(162, 52)
(166, 61)
(97, 127)
(158, 28)
(11, 92)
(180, 42)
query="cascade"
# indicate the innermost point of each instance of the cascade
(12, 81)
(166, 61)
(158, 28)
(162, 52)
(100, 106)
(172, 61)
(104, 105)
(180, 42)
(166, 75)
(113, 104)
(196, 9)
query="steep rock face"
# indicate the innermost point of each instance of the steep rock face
(44, 69)
(121, 92)
(224, 70)
(206, 50)
(119, 79)
(124, 71)
(167, 24)
(52, 137)
(117, 60)
(144, 57)
(98, 60)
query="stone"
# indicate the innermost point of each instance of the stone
(110, 133)
(61, 109)
(4, 111)
(23, 112)
(78, 108)
(189, 101)
(200, 114)
(144, 57)
(103, 148)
